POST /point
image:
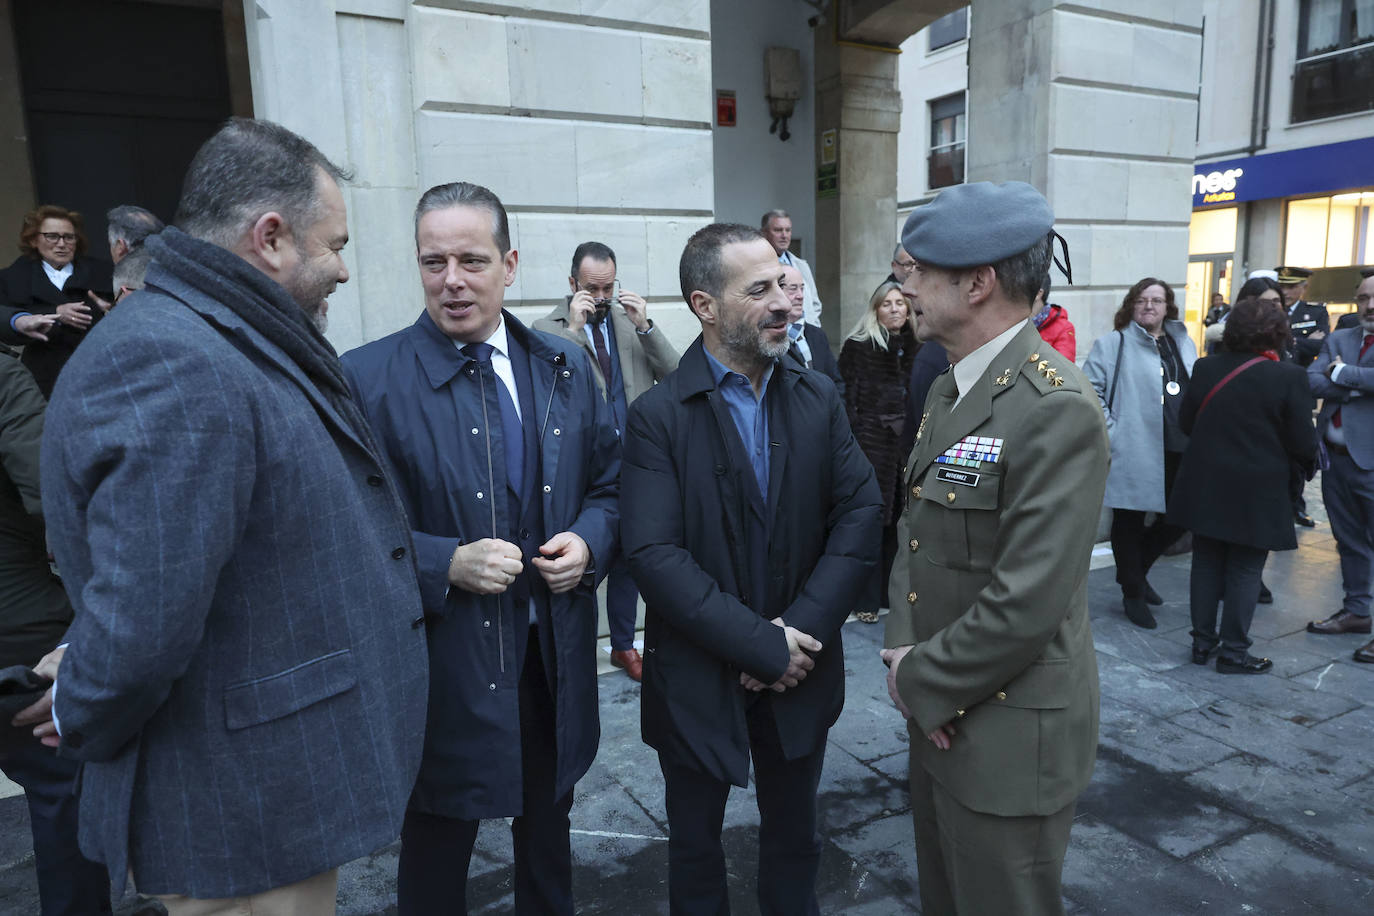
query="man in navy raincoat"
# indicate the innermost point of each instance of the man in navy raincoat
(508, 464)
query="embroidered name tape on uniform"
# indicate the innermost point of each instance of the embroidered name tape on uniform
(963, 478)
(972, 451)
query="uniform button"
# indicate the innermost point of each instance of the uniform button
(548, 489)
(959, 713)
(374, 480)
(950, 496)
(524, 534)
(567, 374)
(479, 494)
(916, 492)
(915, 545)
(417, 622)
(1001, 695)
(491, 686)
(910, 597)
(474, 430)
(558, 432)
(487, 624)
(398, 553)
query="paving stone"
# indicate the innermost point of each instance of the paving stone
(1156, 743)
(1326, 818)
(895, 766)
(1293, 747)
(1270, 875)
(885, 849)
(1118, 637)
(1108, 872)
(1275, 695)
(1147, 690)
(852, 793)
(1152, 808)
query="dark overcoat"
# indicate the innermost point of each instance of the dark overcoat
(875, 393)
(1232, 483)
(25, 287)
(424, 401)
(686, 526)
(34, 610)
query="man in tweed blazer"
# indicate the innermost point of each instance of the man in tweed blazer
(246, 675)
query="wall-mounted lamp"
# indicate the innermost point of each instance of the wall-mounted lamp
(782, 80)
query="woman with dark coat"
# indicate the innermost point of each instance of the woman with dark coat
(875, 363)
(52, 276)
(1249, 419)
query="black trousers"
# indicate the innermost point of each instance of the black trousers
(69, 884)
(1135, 545)
(1227, 575)
(789, 845)
(878, 589)
(432, 874)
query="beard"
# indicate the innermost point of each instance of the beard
(745, 340)
(1367, 322)
(309, 286)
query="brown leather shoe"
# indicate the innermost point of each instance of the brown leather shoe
(1340, 622)
(1365, 653)
(629, 660)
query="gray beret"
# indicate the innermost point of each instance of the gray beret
(978, 223)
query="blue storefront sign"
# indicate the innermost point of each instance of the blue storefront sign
(1312, 170)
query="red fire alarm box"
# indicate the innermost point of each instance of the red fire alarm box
(725, 107)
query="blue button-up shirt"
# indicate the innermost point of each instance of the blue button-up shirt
(749, 413)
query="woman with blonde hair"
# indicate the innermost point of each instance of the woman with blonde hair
(875, 363)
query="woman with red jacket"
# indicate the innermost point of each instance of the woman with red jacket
(1054, 326)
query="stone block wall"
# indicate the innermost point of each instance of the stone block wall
(572, 111)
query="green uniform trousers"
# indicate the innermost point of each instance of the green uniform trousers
(974, 864)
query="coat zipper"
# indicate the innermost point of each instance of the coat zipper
(491, 492)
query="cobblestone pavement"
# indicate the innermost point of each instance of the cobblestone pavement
(1213, 794)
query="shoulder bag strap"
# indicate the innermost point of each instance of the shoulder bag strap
(1116, 373)
(1222, 384)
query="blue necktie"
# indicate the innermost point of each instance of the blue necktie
(511, 432)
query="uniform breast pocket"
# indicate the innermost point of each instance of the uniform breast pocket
(963, 502)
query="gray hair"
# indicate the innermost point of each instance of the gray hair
(249, 168)
(132, 268)
(465, 194)
(700, 267)
(132, 224)
(772, 215)
(897, 251)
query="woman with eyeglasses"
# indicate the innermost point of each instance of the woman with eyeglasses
(52, 294)
(1141, 375)
(875, 363)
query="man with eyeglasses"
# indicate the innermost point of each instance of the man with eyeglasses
(628, 356)
(810, 346)
(1343, 377)
(902, 264)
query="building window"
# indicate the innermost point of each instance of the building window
(948, 29)
(1330, 231)
(946, 164)
(1335, 70)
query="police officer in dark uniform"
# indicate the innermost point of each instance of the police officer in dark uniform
(1309, 324)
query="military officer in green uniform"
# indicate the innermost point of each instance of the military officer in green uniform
(990, 656)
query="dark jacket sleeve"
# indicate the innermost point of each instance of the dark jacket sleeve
(598, 520)
(851, 373)
(672, 582)
(822, 358)
(852, 542)
(21, 431)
